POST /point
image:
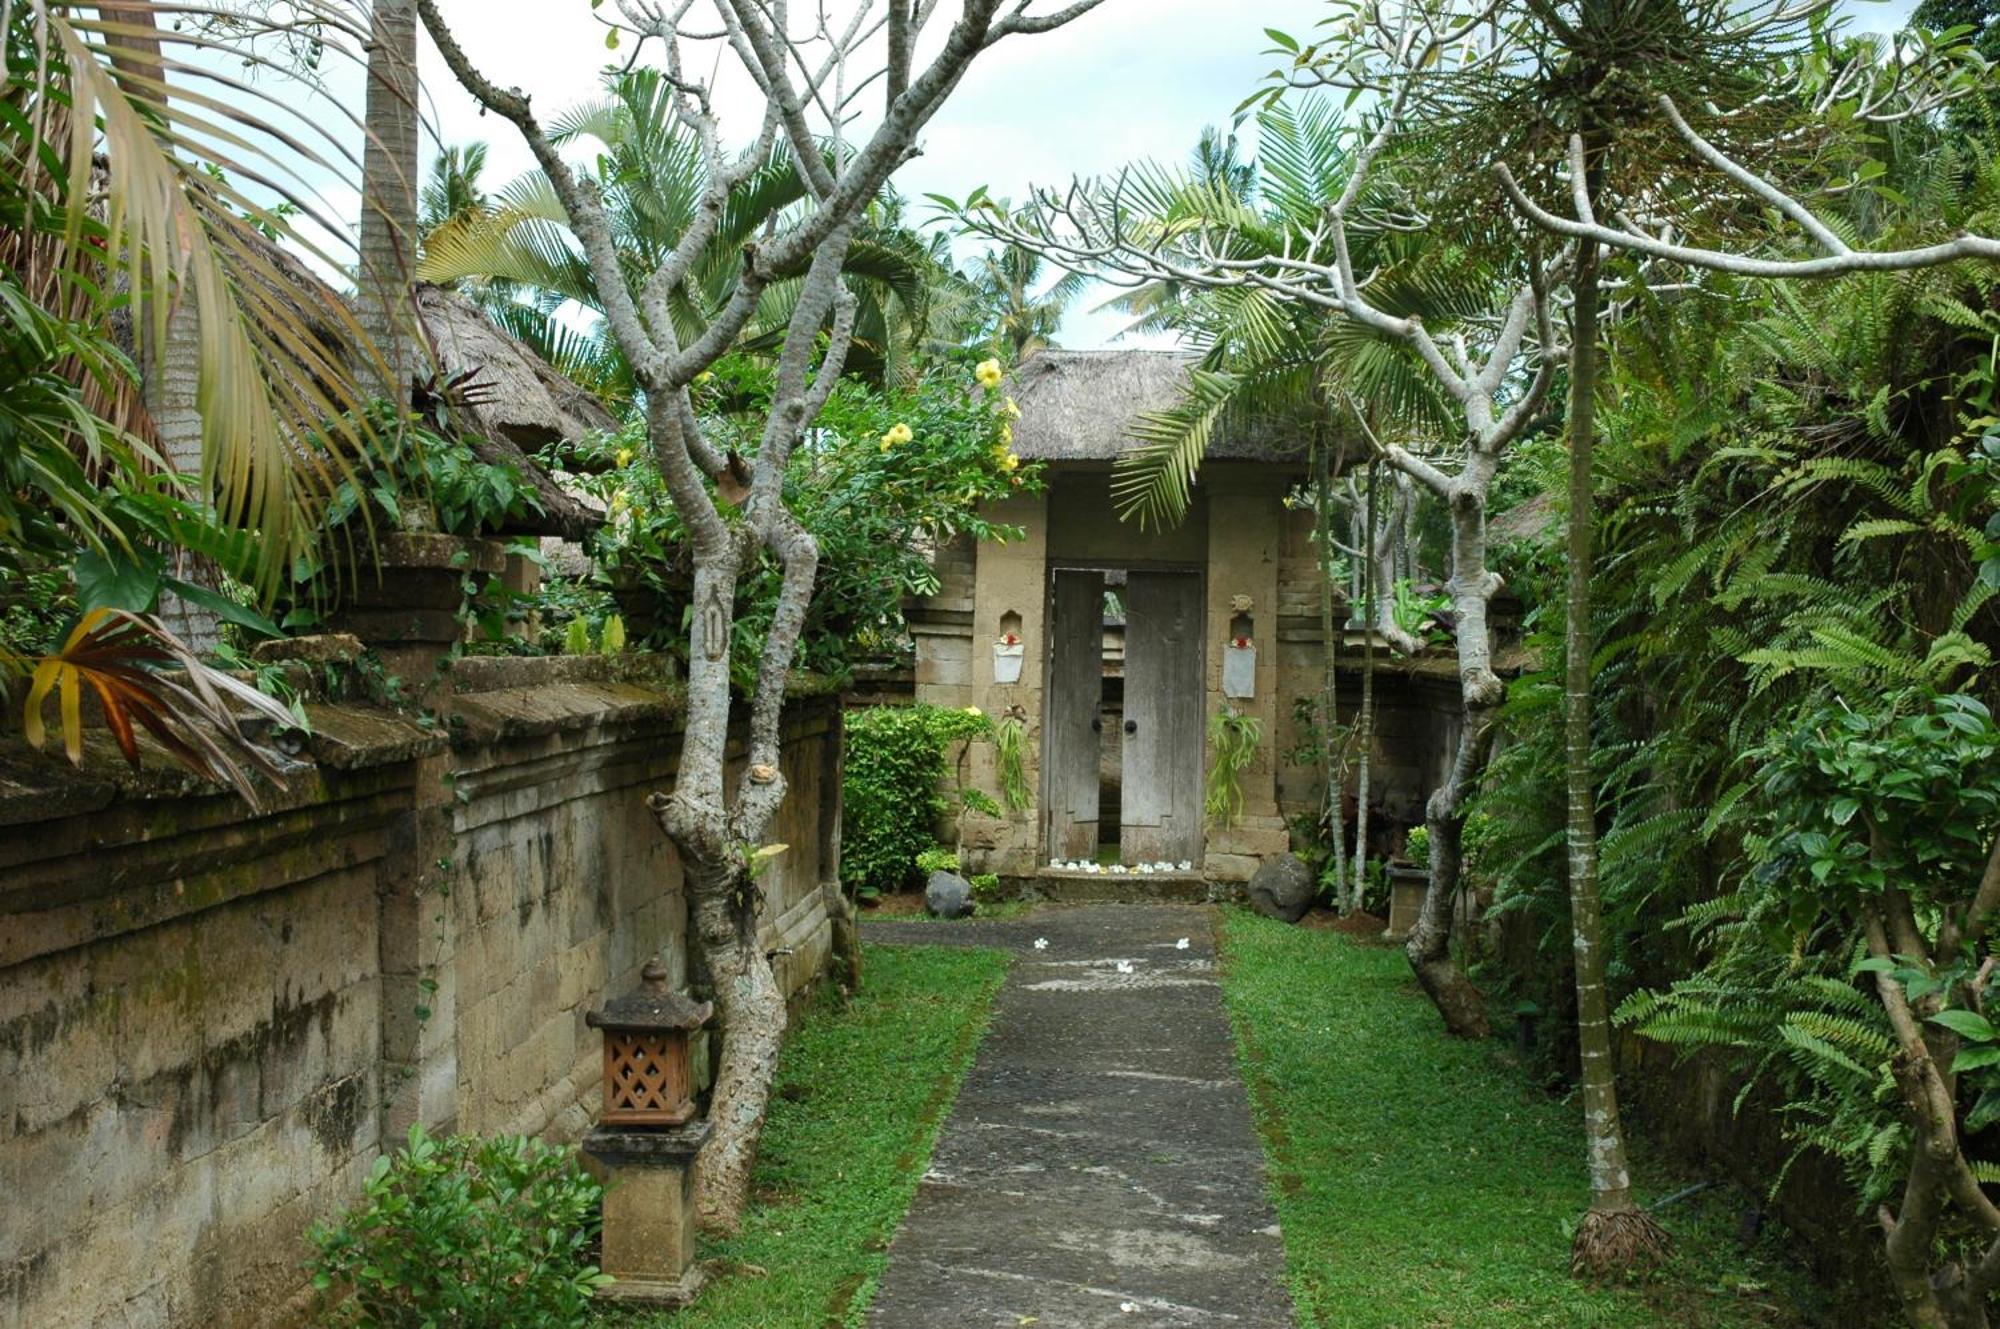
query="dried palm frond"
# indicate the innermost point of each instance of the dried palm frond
(144, 677)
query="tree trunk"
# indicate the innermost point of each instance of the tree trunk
(1428, 946)
(1333, 770)
(1480, 691)
(1365, 740)
(1615, 1236)
(389, 171)
(750, 1014)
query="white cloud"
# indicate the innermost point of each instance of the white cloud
(1133, 79)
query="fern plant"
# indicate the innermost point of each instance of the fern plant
(1233, 738)
(1010, 737)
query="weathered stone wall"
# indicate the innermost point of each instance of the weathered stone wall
(211, 1021)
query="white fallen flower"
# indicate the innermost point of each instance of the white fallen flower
(1124, 966)
(1187, 865)
(1146, 868)
(1181, 945)
(1128, 1306)
(1118, 867)
(1042, 943)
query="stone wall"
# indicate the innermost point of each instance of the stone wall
(212, 1020)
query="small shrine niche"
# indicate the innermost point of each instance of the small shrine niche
(1239, 653)
(1008, 649)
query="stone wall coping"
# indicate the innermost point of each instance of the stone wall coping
(494, 699)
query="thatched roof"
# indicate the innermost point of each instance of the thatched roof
(1531, 521)
(518, 402)
(1081, 406)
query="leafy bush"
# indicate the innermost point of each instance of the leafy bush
(480, 1233)
(985, 886)
(894, 789)
(936, 860)
(1417, 846)
(467, 496)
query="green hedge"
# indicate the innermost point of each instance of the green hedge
(894, 789)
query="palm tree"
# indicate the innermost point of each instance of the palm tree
(649, 171)
(453, 188)
(1260, 354)
(119, 198)
(1020, 314)
(148, 203)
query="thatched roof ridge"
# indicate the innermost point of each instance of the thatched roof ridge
(1081, 406)
(520, 403)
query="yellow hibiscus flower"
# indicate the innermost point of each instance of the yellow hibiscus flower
(1011, 410)
(989, 374)
(624, 458)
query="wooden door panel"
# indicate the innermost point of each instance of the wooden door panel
(1070, 744)
(1163, 741)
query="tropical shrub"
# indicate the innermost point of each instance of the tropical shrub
(463, 1231)
(468, 496)
(936, 860)
(895, 789)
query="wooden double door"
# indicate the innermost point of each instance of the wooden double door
(1160, 721)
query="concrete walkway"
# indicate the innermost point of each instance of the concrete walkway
(1099, 1167)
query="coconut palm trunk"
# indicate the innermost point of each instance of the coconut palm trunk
(389, 173)
(1615, 1234)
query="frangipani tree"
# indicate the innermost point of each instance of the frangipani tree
(806, 69)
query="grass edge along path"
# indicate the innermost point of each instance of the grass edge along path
(861, 1094)
(1421, 1181)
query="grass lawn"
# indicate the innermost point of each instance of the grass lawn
(860, 1095)
(1422, 1182)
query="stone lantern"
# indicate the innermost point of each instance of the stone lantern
(648, 1079)
(646, 1142)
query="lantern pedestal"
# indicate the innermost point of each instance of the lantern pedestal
(648, 1178)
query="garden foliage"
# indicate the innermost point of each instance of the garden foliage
(896, 788)
(479, 1233)
(886, 475)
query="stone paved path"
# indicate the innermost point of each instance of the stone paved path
(1100, 1167)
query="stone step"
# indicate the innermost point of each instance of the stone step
(1120, 888)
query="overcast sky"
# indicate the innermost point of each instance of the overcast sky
(1133, 79)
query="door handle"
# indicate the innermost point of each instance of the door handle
(1131, 726)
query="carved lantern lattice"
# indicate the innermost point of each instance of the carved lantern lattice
(648, 1076)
